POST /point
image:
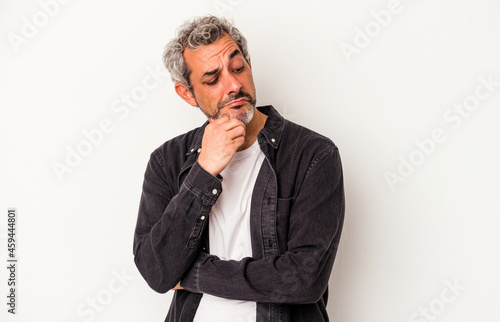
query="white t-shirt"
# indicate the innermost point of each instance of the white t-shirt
(229, 232)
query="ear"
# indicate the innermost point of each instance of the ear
(184, 92)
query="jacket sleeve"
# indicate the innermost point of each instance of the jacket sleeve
(301, 274)
(169, 226)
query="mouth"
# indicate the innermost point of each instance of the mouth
(237, 103)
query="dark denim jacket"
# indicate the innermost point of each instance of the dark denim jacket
(297, 212)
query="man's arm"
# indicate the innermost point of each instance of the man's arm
(169, 227)
(301, 274)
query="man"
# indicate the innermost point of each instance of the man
(241, 216)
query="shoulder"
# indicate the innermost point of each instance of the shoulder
(180, 146)
(303, 153)
(168, 160)
(292, 135)
(305, 141)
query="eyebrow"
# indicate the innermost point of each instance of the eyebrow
(214, 71)
(234, 53)
(210, 73)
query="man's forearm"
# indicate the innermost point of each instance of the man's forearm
(293, 278)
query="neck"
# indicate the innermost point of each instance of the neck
(253, 128)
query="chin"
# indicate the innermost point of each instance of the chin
(246, 117)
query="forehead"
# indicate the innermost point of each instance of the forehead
(210, 56)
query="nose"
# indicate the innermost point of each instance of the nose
(231, 84)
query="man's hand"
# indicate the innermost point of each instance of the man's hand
(221, 140)
(178, 286)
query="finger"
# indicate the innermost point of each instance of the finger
(237, 131)
(221, 119)
(232, 123)
(237, 142)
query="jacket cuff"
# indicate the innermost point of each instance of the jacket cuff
(203, 184)
(191, 280)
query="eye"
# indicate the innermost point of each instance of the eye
(239, 70)
(213, 82)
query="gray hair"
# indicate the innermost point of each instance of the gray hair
(193, 34)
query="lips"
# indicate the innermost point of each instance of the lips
(236, 102)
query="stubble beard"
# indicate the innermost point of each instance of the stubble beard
(245, 118)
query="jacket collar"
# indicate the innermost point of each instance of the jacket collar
(273, 129)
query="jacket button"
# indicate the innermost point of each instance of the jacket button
(202, 218)
(214, 192)
(199, 150)
(273, 140)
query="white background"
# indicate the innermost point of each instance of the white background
(404, 244)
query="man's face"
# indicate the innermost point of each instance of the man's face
(222, 81)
